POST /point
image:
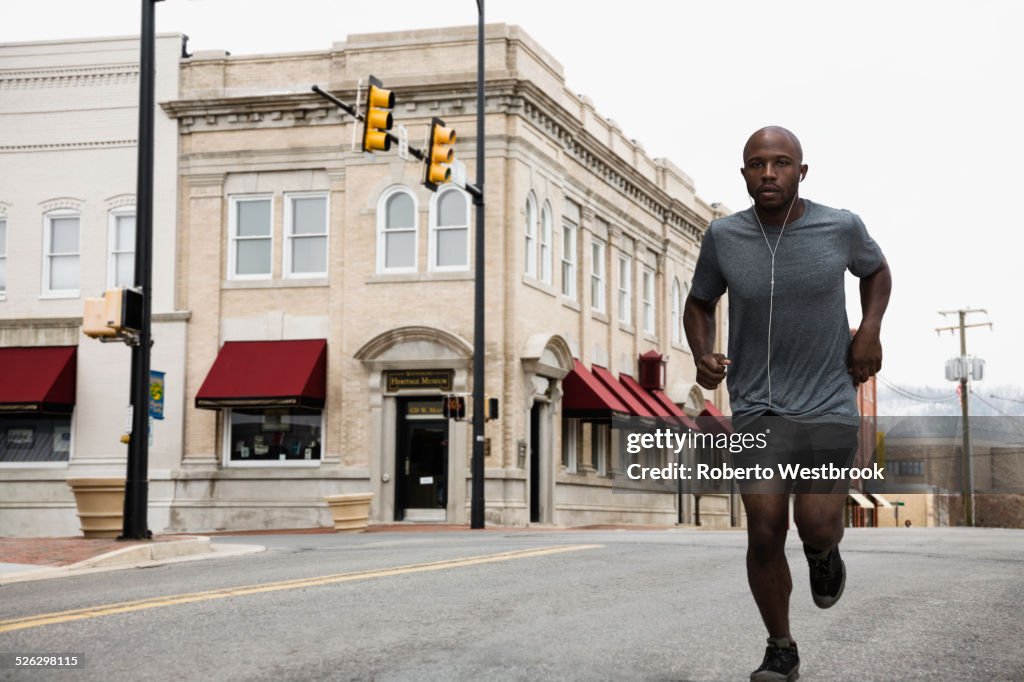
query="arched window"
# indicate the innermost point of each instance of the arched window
(545, 244)
(449, 230)
(121, 243)
(396, 231)
(531, 236)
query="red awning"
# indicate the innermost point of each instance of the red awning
(586, 397)
(267, 374)
(714, 418)
(650, 402)
(38, 379)
(674, 410)
(635, 406)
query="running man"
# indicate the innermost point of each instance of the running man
(791, 358)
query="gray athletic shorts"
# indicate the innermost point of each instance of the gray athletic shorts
(805, 457)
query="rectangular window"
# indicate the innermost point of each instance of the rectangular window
(3, 256)
(648, 301)
(625, 289)
(600, 437)
(570, 226)
(35, 438)
(305, 246)
(545, 244)
(251, 249)
(597, 275)
(263, 435)
(61, 262)
(121, 268)
(570, 444)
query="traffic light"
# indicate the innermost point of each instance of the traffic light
(117, 312)
(377, 119)
(440, 154)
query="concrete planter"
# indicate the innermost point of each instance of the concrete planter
(100, 503)
(351, 512)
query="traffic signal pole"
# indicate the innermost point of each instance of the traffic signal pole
(477, 464)
(136, 489)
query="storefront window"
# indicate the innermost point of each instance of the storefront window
(35, 438)
(275, 434)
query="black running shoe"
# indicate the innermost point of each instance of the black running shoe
(780, 664)
(828, 578)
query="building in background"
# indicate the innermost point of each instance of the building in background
(331, 294)
(69, 112)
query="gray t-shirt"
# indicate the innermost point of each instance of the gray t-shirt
(810, 333)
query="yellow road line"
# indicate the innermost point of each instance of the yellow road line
(173, 600)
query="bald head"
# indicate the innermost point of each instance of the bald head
(774, 134)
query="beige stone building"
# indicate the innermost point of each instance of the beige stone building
(331, 294)
(68, 127)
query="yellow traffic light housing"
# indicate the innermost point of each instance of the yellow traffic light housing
(440, 155)
(377, 120)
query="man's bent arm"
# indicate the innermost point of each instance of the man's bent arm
(699, 324)
(866, 348)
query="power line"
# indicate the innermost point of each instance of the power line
(911, 395)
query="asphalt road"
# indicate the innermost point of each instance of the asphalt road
(524, 605)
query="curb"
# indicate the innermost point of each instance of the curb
(140, 556)
(156, 551)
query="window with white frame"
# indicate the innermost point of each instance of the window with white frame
(648, 300)
(570, 227)
(677, 312)
(305, 235)
(570, 444)
(276, 434)
(121, 266)
(531, 236)
(396, 230)
(61, 248)
(546, 229)
(3, 256)
(679, 293)
(597, 278)
(600, 438)
(625, 289)
(449, 231)
(252, 246)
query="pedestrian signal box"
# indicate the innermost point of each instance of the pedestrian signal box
(117, 313)
(455, 407)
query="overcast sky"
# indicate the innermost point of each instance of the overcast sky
(908, 112)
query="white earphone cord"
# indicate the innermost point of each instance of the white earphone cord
(771, 293)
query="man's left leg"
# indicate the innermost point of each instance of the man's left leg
(819, 520)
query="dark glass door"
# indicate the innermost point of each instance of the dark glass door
(535, 463)
(422, 464)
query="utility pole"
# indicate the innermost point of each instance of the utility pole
(967, 468)
(136, 491)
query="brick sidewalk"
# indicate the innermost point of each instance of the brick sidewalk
(63, 551)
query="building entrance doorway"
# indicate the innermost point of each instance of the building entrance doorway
(422, 461)
(535, 463)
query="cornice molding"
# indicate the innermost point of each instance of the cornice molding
(507, 96)
(65, 146)
(68, 76)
